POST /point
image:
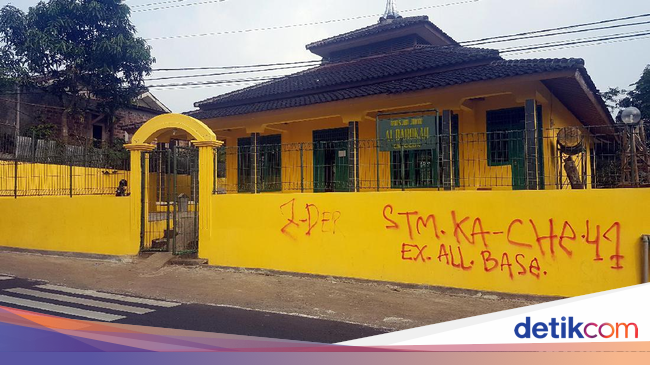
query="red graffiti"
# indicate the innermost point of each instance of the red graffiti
(617, 258)
(313, 218)
(487, 258)
(394, 224)
(408, 216)
(540, 239)
(424, 222)
(509, 235)
(526, 233)
(447, 253)
(291, 221)
(563, 237)
(418, 253)
(491, 263)
(595, 241)
(458, 227)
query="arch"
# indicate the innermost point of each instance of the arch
(156, 126)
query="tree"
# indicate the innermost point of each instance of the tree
(82, 51)
(618, 99)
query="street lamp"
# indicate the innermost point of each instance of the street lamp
(631, 117)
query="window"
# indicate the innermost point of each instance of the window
(506, 143)
(98, 135)
(269, 164)
(420, 169)
(505, 136)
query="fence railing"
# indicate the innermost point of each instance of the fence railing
(558, 158)
(36, 167)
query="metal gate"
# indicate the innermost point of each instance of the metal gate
(170, 198)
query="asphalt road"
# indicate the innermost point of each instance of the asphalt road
(41, 297)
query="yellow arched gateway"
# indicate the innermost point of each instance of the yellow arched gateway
(161, 128)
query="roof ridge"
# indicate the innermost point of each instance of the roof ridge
(394, 22)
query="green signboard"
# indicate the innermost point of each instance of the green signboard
(411, 133)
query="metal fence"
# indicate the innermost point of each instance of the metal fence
(36, 167)
(558, 158)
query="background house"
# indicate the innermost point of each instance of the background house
(39, 114)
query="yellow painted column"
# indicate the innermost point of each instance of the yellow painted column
(135, 186)
(206, 181)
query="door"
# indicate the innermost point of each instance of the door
(506, 142)
(517, 158)
(331, 160)
(170, 197)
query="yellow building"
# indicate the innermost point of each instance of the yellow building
(402, 105)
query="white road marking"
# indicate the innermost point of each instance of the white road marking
(100, 316)
(4, 277)
(82, 301)
(96, 294)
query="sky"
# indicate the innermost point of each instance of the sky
(610, 65)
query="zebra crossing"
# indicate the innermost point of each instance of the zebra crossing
(78, 303)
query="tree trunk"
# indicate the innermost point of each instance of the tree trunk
(64, 126)
(111, 130)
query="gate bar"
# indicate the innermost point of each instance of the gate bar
(168, 190)
(143, 181)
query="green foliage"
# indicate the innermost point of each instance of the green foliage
(618, 99)
(77, 50)
(640, 96)
(42, 131)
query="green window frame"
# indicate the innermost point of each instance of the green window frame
(420, 169)
(269, 164)
(505, 141)
(505, 133)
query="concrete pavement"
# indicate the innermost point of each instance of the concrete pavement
(253, 302)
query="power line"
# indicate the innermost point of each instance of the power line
(581, 45)
(216, 82)
(573, 42)
(501, 50)
(524, 49)
(227, 73)
(302, 24)
(486, 42)
(561, 28)
(235, 67)
(176, 6)
(156, 3)
(555, 34)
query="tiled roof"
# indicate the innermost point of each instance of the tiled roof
(490, 70)
(362, 70)
(375, 29)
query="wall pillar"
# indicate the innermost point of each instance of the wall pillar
(135, 185)
(531, 144)
(255, 154)
(353, 153)
(445, 149)
(206, 182)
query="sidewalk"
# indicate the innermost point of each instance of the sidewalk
(378, 305)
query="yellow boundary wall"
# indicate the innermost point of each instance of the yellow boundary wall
(51, 179)
(464, 239)
(82, 224)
